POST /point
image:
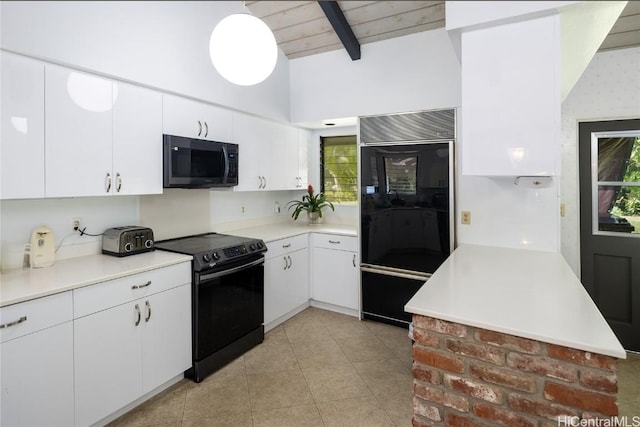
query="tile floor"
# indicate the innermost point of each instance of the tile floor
(317, 369)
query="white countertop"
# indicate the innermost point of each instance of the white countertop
(22, 285)
(526, 293)
(272, 232)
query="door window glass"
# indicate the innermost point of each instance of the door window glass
(616, 182)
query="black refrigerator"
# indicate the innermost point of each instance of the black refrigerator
(406, 222)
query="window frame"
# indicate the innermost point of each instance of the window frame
(354, 201)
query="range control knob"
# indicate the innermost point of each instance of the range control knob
(148, 243)
(128, 247)
(252, 246)
(216, 256)
(206, 257)
(260, 245)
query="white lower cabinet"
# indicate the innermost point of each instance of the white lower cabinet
(36, 357)
(286, 286)
(335, 270)
(127, 350)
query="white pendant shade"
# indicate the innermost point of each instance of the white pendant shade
(243, 49)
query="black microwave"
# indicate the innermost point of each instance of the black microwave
(198, 163)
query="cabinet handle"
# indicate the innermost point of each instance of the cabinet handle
(139, 315)
(206, 129)
(118, 182)
(290, 262)
(107, 182)
(335, 242)
(260, 179)
(265, 181)
(199, 128)
(14, 323)
(288, 245)
(286, 264)
(146, 303)
(354, 260)
(141, 286)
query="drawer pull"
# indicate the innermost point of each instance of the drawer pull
(354, 260)
(288, 245)
(335, 242)
(141, 286)
(14, 323)
(146, 303)
(139, 315)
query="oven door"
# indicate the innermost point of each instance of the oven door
(227, 305)
(195, 163)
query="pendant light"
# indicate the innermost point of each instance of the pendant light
(243, 49)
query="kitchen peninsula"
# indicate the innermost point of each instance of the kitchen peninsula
(510, 336)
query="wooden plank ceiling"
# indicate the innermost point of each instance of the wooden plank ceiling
(302, 29)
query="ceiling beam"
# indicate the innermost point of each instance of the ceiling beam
(342, 28)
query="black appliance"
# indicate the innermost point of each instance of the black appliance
(227, 297)
(198, 163)
(406, 208)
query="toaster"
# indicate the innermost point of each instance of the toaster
(128, 240)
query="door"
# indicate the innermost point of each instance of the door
(609, 164)
(335, 277)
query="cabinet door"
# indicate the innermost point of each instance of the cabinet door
(37, 378)
(107, 362)
(137, 141)
(253, 154)
(298, 278)
(335, 277)
(22, 131)
(166, 344)
(283, 143)
(181, 117)
(78, 117)
(304, 139)
(286, 284)
(217, 123)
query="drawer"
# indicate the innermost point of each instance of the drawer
(102, 296)
(283, 246)
(334, 241)
(34, 315)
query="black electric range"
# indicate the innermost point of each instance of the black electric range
(227, 297)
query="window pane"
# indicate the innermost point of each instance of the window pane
(619, 209)
(619, 159)
(339, 168)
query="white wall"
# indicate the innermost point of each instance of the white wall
(608, 89)
(160, 44)
(415, 72)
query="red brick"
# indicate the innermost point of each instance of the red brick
(437, 360)
(474, 389)
(501, 416)
(421, 422)
(582, 399)
(601, 381)
(580, 357)
(504, 377)
(426, 410)
(427, 375)
(544, 409)
(440, 326)
(441, 397)
(455, 420)
(425, 337)
(543, 366)
(508, 341)
(477, 351)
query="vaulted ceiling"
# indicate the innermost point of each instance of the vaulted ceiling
(301, 27)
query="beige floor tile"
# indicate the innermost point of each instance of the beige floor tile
(360, 349)
(385, 376)
(335, 382)
(356, 412)
(319, 354)
(398, 406)
(382, 328)
(276, 335)
(275, 390)
(306, 330)
(296, 416)
(630, 410)
(347, 327)
(227, 419)
(217, 397)
(164, 409)
(629, 380)
(270, 357)
(399, 344)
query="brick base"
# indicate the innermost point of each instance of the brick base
(465, 376)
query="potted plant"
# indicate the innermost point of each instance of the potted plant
(312, 203)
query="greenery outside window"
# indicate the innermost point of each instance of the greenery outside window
(339, 168)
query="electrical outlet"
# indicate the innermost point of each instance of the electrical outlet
(465, 217)
(76, 224)
(563, 210)
(242, 209)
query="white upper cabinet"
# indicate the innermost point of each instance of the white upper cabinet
(269, 157)
(137, 141)
(511, 99)
(304, 139)
(192, 119)
(22, 130)
(78, 111)
(103, 137)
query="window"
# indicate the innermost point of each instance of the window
(339, 169)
